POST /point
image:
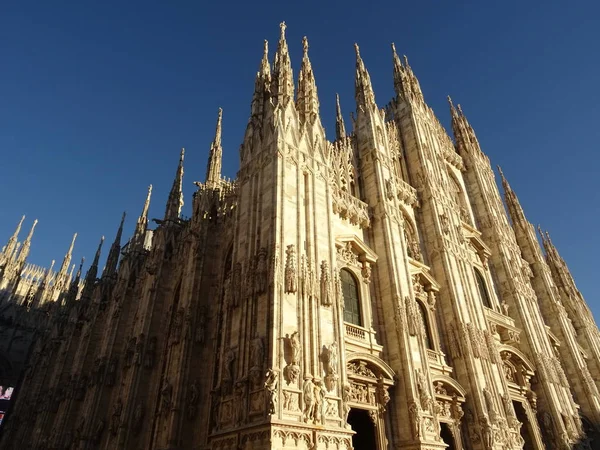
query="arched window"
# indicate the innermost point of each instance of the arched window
(425, 317)
(351, 298)
(483, 292)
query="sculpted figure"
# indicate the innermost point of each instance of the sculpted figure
(261, 271)
(193, 397)
(271, 383)
(295, 345)
(309, 399)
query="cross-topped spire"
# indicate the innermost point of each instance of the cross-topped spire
(308, 101)
(175, 201)
(215, 158)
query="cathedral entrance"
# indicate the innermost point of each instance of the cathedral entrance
(361, 422)
(525, 428)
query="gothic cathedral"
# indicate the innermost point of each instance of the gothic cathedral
(366, 293)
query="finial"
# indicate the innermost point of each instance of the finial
(181, 155)
(305, 46)
(266, 49)
(450, 102)
(394, 48)
(340, 127)
(282, 27)
(357, 50)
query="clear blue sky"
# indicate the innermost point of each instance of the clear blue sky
(97, 98)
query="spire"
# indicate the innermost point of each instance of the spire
(307, 103)
(458, 130)
(39, 295)
(282, 84)
(215, 159)
(11, 246)
(512, 202)
(92, 273)
(67, 260)
(365, 98)
(262, 83)
(27, 244)
(175, 201)
(139, 235)
(74, 287)
(340, 128)
(401, 83)
(113, 255)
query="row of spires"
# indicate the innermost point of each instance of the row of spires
(279, 86)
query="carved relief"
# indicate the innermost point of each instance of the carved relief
(166, 395)
(330, 361)
(347, 255)
(192, 400)
(290, 275)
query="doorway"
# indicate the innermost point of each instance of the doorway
(361, 423)
(447, 436)
(526, 427)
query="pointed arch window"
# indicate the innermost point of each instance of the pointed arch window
(352, 312)
(483, 291)
(427, 335)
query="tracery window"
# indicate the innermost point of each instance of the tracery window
(483, 291)
(352, 312)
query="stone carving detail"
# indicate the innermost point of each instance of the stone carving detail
(290, 401)
(111, 374)
(261, 271)
(360, 368)
(236, 285)
(308, 398)
(325, 284)
(346, 397)
(491, 346)
(240, 393)
(425, 399)
(347, 255)
(138, 418)
(228, 368)
(330, 361)
(130, 353)
(115, 421)
(412, 316)
(150, 353)
(192, 400)
(166, 395)
(271, 385)
(290, 273)
(445, 223)
(489, 403)
(201, 326)
(415, 420)
(257, 357)
(177, 326)
(487, 433)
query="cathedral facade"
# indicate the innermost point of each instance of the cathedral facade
(371, 293)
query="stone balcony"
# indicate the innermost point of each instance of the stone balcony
(360, 339)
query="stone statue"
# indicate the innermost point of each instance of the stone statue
(308, 390)
(261, 272)
(295, 346)
(201, 327)
(325, 284)
(415, 420)
(111, 375)
(271, 383)
(177, 325)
